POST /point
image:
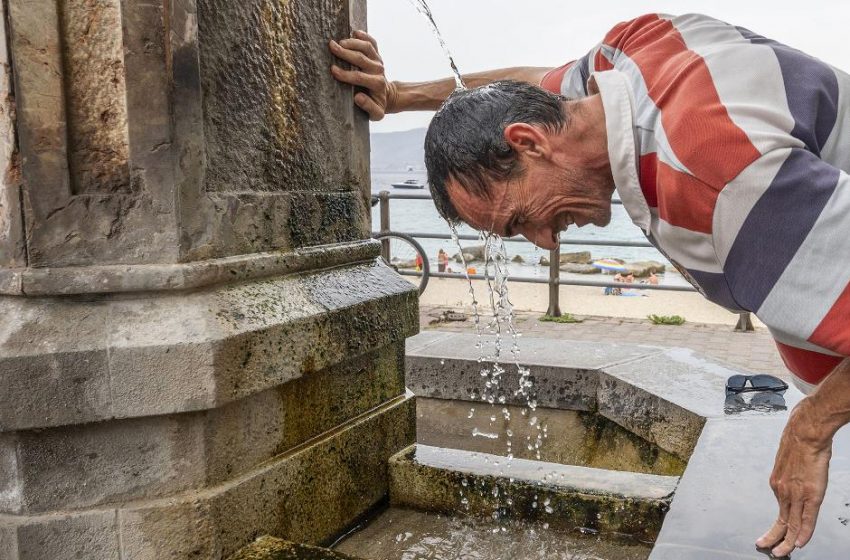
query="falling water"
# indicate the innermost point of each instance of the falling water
(423, 8)
(502, 318)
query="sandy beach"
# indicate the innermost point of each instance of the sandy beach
(582, 300)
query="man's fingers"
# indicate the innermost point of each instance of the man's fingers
(362, 46)
(357, 59)
(360, 34)
(375, 111)
(795, 519)
(357, 78)
(810, 520)
(774, 535)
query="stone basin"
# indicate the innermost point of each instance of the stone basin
(644, 458)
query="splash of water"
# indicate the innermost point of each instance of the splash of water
(423, 8)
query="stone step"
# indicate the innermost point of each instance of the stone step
(464, 482)
(271, 548)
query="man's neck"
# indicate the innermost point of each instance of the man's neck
(588, 132)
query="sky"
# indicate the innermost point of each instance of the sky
(484, 34)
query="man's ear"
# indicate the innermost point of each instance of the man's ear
(527, 139)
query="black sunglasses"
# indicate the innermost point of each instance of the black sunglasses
(750, 383)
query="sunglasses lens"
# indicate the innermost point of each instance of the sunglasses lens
(767, 383)
(736, 382)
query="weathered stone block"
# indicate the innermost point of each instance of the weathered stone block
(54, 388)
(184, 530)
(10, 481)
(243, 434)
(107, 462)
(313, 494)
(169, 354)
(64, 537)
(652, 417)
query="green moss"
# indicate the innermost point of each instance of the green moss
(564, 318)
(666, 319)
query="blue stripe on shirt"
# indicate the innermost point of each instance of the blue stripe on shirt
(811, 88)
(777, 225)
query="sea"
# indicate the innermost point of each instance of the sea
(421, 216)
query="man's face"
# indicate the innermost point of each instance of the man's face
(539, 204)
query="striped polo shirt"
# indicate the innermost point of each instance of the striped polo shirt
(732, 152)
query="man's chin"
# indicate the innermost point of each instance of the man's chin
(602, 220)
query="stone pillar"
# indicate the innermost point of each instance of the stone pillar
(198, 344)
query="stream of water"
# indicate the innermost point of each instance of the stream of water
(423, 8)
(501, 319)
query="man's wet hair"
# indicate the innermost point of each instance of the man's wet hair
(465, 140)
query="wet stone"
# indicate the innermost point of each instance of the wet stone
(466, 483)
(573, 437)
(270, 548)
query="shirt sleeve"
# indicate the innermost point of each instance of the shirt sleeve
(782, 235)
(570, 80)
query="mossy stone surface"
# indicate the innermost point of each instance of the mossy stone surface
(270, 548)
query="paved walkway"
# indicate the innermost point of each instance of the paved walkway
(754, 351)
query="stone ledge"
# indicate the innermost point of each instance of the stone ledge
(308, 494)
(557, 384)
(106, 279)
(127, 358)
(463, 482)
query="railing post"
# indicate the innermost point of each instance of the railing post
(554, 285)
(745, 323)
(384, 197)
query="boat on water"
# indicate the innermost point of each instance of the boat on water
(409, 184)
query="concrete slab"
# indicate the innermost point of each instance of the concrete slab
(723, 503)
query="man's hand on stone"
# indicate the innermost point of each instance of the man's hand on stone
(361, 51)
(799, 480)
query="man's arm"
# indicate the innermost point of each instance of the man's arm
(800, 472)
(382, 96)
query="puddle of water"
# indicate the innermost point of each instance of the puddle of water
(402, 534)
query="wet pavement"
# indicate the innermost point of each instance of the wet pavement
(723, 503)
(404, 534)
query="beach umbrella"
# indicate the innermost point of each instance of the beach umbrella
(609, 264)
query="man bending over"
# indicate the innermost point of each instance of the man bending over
(730, 151)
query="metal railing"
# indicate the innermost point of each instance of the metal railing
(554, 280)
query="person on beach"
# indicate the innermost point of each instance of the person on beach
(442, 260)
(729, 150)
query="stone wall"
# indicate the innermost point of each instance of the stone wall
(200, 344)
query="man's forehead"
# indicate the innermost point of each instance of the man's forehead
(480, 212)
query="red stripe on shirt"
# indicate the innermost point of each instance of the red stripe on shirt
(552, 80)
(648, 176)
(834, 330)
(684, 201)
(601, 62)
(812, 367)
(679, 82)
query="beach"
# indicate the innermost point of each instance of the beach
(583, 301)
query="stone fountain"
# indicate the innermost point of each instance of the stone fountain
(199, 345)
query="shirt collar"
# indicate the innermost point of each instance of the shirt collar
(618, 104)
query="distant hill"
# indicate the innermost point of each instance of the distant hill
(395, 151)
